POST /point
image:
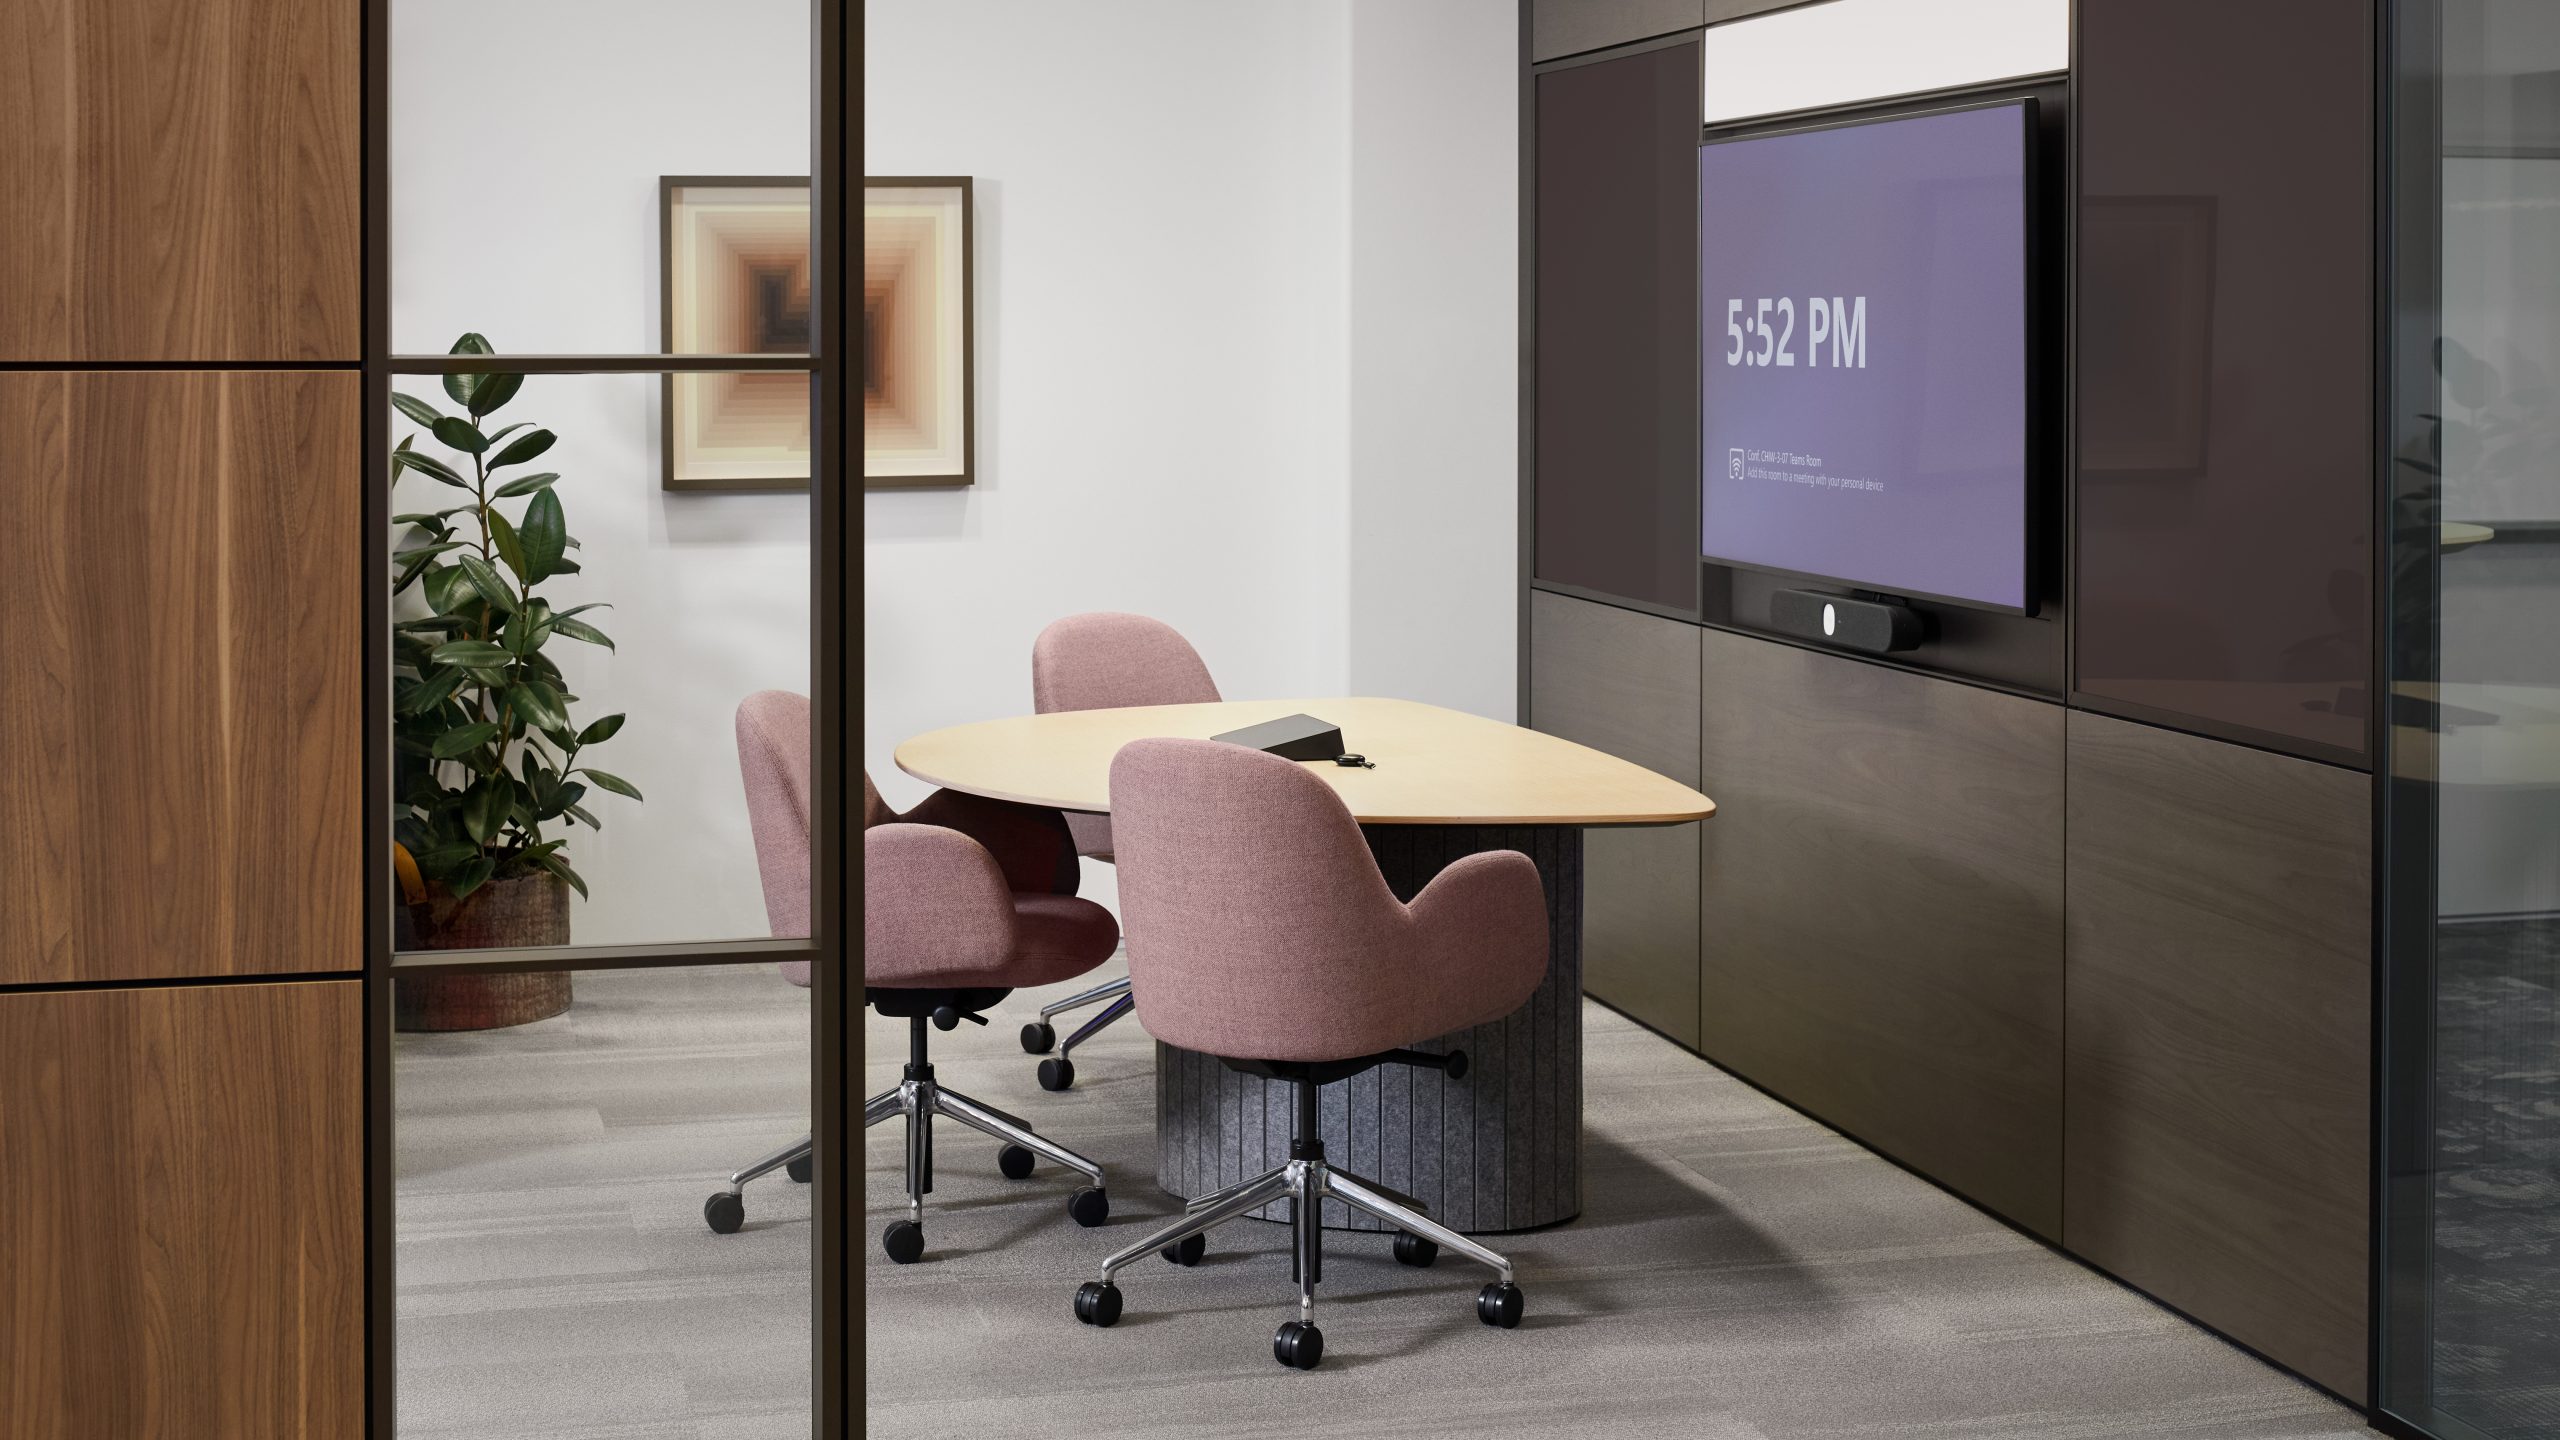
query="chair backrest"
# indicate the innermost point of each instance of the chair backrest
(1105, 660)
(773, 756)
(1257, 921)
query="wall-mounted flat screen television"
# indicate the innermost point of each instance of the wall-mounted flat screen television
(1864, 290)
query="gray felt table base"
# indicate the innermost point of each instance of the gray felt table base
(1498, 1150)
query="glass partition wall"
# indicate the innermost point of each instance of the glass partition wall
(2470, 1199)
(605, 971)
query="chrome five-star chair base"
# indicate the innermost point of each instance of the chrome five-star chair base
(1304, 1181)
(920, 1098)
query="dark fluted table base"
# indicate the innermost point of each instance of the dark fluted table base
(1498, 1150)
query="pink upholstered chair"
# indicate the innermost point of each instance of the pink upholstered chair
(1262, 933)
(963, 899)
(1103, 661)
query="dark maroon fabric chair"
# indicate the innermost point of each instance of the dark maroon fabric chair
(1262, 933)
(1103, 661)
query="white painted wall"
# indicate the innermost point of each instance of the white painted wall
(527, 142)
(1435, 339)
(1233, 369)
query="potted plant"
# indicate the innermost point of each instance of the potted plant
(490, 770)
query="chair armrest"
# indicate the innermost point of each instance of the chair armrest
(1031, 845)
(1482, 923)
(933, 901)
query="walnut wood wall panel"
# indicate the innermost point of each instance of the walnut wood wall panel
(1882, 896)
(1627, 683)
(181, 180)
(2220, 983)
(181, 1213)
(180, 748)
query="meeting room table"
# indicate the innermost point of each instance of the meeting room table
(1497, 1149)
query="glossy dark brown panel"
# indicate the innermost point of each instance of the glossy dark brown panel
(1616, 312)
(1882, 911)
(2224, 368)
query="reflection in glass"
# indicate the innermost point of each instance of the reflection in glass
(2473, 1204)
(2223, 368)
(556, 1274)
(571, 637)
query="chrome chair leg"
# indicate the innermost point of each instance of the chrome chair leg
(996, 1123)
(1414, 1222)
(796, 1150)
(1109, 1015)
(1104, 991)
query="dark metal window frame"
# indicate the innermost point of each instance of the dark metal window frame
(835, 1032)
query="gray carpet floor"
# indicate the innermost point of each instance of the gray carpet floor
(556, 1279)
(1738, 1271)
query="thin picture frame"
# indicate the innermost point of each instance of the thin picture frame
(966, 474)
(670, 188)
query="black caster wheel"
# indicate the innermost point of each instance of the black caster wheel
(1015, 1162)
(1499, 1304)
(1186, 1251)
(1057, 1073)
(904, 1242)
(724, 1213)
(1413, 1250)
(1097, 1302)
(1037, 1037)
(798, 1170)
(1089, 1206)
(1299, 1345)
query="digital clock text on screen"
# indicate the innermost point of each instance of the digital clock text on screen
(1836, 322)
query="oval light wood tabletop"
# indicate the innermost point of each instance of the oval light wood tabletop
(1434, 766)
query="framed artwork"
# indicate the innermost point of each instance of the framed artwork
(734, 257)
(918, 365)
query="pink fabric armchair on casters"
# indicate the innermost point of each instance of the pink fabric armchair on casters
(1262, 933)
(963, 900)
(1103, 661)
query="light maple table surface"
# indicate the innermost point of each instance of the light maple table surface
(1434, 766)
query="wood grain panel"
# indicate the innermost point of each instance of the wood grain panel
(182, 180)
(181, 1213)
(1640, 925)
(1627, 683)
(1882, 911)
(1616, 680)
(179, 754)
(2220, 982)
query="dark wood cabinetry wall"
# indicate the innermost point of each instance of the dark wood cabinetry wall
(181, 1189)
(2106, 974)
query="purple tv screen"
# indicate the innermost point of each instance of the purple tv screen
(1864, 301)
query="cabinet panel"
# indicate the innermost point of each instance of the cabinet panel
(1627, 683)
(1615, 680)
(181, 1213)
(2220, 984)
(1882, 911)
(1640, 925)
(2224, 368)
(1569, 27)
(1616, 327)
(181, 750)
(182, 180)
